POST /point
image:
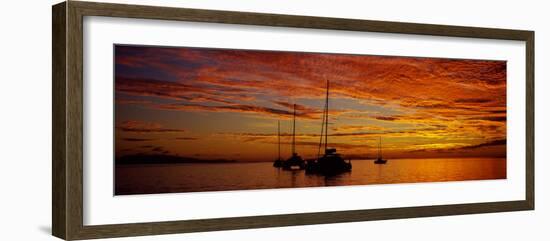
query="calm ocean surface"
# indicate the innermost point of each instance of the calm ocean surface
(194, 177)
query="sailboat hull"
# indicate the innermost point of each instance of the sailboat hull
(278, 163)
(380, 161)
(294, 162)
(328, 165)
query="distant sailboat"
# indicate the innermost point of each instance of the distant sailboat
(379, 159)
(331, 163)
(279, 162)
(295, 161)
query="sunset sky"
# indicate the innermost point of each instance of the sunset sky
(225, 104)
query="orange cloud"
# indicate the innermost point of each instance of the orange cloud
(144, 127)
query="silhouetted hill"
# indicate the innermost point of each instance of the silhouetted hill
(164, 159)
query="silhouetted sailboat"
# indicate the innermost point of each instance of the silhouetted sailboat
(379, 159)
(331, 163)
(295, 161)
(279, 162)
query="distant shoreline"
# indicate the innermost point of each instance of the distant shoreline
(165, 159)
(172, 159)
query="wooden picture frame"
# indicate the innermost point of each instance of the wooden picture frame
(67, 159)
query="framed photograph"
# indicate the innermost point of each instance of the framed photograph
(171, 120)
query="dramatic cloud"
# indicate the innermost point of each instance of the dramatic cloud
(386, 118)
(412, 103)
(144, 127)
(138, 139)
(354, 128)
(232, 108)
(486, 144)
(186, 138)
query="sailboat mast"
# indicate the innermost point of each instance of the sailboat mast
(326, 118)
(322, 134)
(294, 131)
(379, 147)
(279, 137)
